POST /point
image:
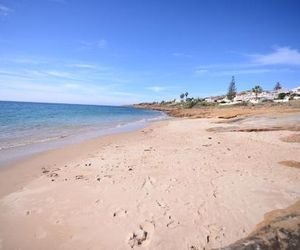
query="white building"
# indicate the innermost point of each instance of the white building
(296, 90)
(249, 96)
(209, 99)
(244, 96)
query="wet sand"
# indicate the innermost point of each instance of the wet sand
(178, 184)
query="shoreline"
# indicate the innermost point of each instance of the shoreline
(64, 153)
(28, 128)
(8, 156)
(140, 185)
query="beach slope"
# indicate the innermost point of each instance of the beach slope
(177, 184)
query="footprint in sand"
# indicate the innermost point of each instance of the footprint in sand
(171, 222)
(45, 170)
(148, 183)
(53, 175)
(142, 236)
(120, 213)
(216, 234)
(81, 177)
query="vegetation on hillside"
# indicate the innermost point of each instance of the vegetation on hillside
(231, 90)
(231, 98)
(257, 90)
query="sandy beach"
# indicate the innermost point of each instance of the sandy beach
(177, 184)
(149, 125)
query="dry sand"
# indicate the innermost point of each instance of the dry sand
(177, 184)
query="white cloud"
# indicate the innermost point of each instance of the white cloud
(281, 55)
(156, 88)
(57, 73)
(4, 10)
(84, 66)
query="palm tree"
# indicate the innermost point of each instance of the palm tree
(186, 94)
(277, 86)
(182, 96)
(257, 89)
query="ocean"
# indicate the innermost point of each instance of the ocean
(27, 128)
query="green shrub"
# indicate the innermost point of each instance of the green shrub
(282, 96)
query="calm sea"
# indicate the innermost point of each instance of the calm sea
(27, 128)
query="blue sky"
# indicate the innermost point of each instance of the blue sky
(122, 52)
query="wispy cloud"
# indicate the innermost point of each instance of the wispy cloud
(83, 66)
(282, 59)
(99, 44)
(22, 77)
(37, 74)
(31, 73)
(23, 59)
(156, 88)
(200, 71)
(4, 72)
(56, 73)
(124, 94)
(46, 73)
(65, 92)
(239, 70)
(44, 69)
(244, 71)
(87, 66)
(4, 10)
(280, 56)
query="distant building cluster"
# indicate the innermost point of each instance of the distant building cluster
(254, 96)
(279, 95)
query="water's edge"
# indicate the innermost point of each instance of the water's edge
(10, 155)
(17, 155)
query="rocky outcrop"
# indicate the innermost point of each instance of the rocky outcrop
(279, 230)
(219, 112)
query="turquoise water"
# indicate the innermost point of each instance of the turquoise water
(32, 127)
